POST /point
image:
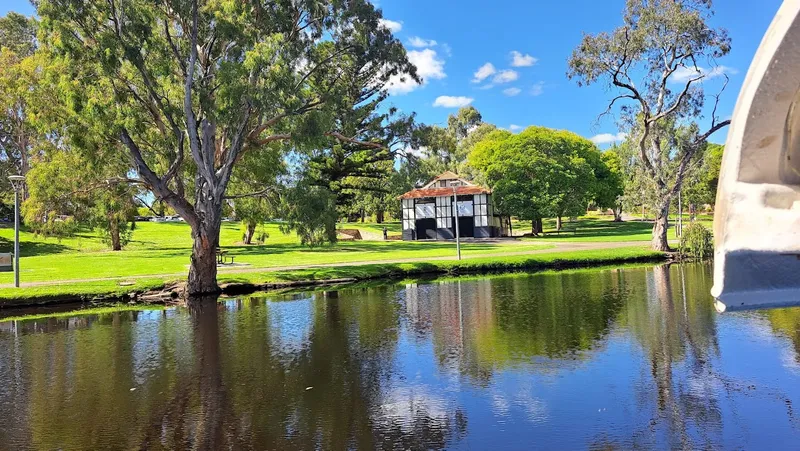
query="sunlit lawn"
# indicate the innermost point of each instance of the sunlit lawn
(539, 261)
(602, 228)
(164, 248)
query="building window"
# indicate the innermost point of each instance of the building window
(444, 212)
(408, 214)
(423, 211)
(465, 208)
(481, 210)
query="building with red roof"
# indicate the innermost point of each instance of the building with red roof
(428, 212)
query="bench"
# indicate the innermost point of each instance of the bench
(566, 228)
(222, 255)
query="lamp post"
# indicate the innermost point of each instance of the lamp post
(16, 184)
(680, 214)
(458, 234)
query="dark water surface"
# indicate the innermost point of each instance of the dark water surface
(611, 359)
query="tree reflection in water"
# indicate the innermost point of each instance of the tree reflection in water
(485, 362)
(674, 323)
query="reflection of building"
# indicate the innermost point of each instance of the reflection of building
(428, 211)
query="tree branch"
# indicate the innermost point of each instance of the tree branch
(260, 193)
(160, 189)
(341, 137)
(191, 120)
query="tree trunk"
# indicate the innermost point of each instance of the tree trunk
(660, 227)
(363, 214)
(248, 234)
(203, 268)
(539, 228)
(558, 222)
(617, 213)
(113, 230)
(379, 217)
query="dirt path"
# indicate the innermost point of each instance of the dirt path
(560, 246)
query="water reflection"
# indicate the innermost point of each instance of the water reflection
(598, 359)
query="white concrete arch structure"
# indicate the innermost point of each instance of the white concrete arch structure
(757, 218)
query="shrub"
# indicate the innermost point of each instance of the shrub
(697, 241)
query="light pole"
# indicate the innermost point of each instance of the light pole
(16, 183)
(680, 214)
(458, 234)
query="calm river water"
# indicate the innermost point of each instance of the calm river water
(606, 359)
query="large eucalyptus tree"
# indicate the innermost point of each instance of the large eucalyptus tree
(658, 64)
(190, 88)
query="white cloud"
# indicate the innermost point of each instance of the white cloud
(429, 67)
(392, 25)
(452, 101)
(416, 41)
(421, 152)
(515, 127)
(484, 72)
(505, 76)
(608, 138)
(537, 89)
(446, 49)
(684, 74)
(511, 92)
(520, 60)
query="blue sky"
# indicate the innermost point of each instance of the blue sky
(471, 33)
(468, 34)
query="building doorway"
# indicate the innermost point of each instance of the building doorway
(426, 229)
(466, 227)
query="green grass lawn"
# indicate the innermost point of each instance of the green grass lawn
(548, 260)
(603, 228)
(164, 248)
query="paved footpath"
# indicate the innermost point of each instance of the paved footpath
(560, 246)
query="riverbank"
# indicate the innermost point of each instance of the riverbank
(160, 290)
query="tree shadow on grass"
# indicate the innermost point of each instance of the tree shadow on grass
(32, 248)
(589, 228)
(330, 273)
(356, 247)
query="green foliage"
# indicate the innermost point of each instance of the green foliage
(254, 233)
(448, 148)
(66, 189)
(697, 241)
(18, 34)
(539, 172)
(310, 211)
(610, 183)
(21, 80)
(700, 186)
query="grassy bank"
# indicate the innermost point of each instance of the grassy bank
(164, 249)
(604, 229)
(243, 282)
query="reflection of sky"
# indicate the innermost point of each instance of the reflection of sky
(719, 381)
(147, 345)
(610, 395)
(290, 325)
